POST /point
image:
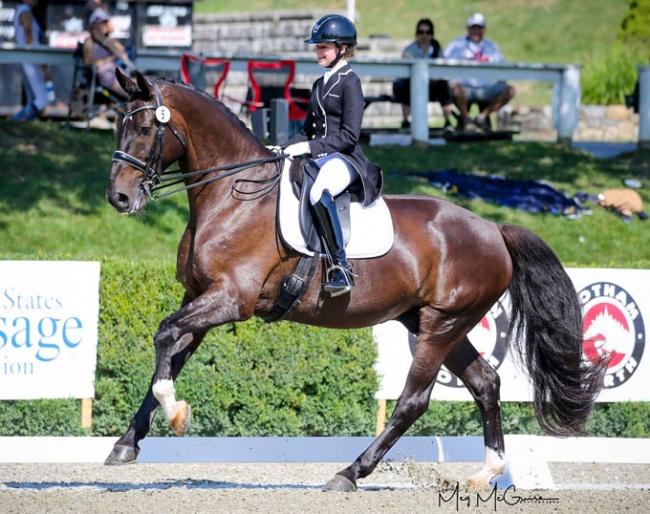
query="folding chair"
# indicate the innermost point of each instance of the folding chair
(203, 72)
(87, 94)
(269, 80)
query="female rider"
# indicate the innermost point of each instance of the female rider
(330, 135)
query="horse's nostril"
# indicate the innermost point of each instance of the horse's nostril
(122, 199)
(118, 200)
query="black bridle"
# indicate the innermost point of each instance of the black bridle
(154, 180)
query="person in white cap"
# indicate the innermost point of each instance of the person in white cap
(104, 52)
(493, 95)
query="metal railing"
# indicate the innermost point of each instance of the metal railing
(564, 77)
(565, 80)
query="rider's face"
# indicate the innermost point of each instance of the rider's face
(326, 53)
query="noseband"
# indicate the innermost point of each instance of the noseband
(151, 176)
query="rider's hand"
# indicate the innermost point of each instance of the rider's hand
(297, 149)
(275, 149)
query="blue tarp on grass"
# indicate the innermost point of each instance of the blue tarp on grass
(527, 195)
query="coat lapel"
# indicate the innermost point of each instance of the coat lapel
(336, 80)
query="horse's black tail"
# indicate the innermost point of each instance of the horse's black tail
(547, 326)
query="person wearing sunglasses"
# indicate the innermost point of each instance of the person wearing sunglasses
(424, 47)
(490, 95)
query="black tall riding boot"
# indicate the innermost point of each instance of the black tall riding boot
(339, 275)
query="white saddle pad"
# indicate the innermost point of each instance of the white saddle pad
(371, 231)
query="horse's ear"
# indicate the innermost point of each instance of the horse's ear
(143, 84)
(125, 81)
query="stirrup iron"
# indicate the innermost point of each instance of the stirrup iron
(338, 286)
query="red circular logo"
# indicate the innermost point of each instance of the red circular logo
(613, 329)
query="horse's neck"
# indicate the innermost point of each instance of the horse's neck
(224, 198)
(216, 138)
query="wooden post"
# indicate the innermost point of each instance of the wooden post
(86, 412)
(381, 417)
(644, 107)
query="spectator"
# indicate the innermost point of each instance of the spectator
(29, 32)
(104, 52)
(474, 47)
(90, 7)
(424, 47)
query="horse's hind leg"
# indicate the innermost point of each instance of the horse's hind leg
(483, 383)
(126, 448)
(411, 404)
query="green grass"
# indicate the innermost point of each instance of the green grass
(551, 31)
(53, 182)
(540, 31)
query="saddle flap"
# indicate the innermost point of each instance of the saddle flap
(371, 227)
(309, 171)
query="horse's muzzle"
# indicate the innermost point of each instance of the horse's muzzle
(122, 201)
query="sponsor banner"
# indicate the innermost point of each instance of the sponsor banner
(167, 25)
(616, 306)
(167, 36)
(58, 39)
(48, 329)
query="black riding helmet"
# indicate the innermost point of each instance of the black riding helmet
(334, 28)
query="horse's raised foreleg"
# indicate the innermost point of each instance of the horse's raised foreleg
(214, 307)
(483, 383)
(411, 404)
(126, 448)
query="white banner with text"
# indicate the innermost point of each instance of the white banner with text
(48, 329)
(616, 304)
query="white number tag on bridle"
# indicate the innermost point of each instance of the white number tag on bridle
(163, 114)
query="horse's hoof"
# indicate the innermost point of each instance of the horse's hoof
(477, 483)
(340, 484)
(121, 454)
(181, 420)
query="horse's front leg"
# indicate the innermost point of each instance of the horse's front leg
(126, 448)
(209, 310)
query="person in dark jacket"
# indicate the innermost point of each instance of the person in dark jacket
(330, 136)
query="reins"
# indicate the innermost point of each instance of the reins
(231, 169)
(154, 180)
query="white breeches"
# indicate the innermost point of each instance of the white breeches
(335, 174)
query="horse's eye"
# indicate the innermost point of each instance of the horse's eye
(145, 130)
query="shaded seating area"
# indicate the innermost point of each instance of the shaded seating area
(207, 74)
(496, 133)
(87, 96)
(269, 80)
(265, 81)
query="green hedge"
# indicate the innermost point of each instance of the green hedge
(607, 77)
(635, 26)
(253, 379)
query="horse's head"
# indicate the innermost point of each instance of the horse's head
(143, 151)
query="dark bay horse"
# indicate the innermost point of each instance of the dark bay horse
(447, 267)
